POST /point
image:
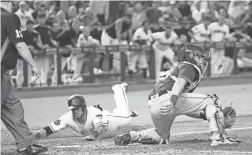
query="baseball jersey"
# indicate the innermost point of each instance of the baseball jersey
(183, 70)
(162, 41)
(10, 36)
(82, 40)
(23, 18)
(141, 34)
(200, 33)
(94, 118)
(218, 32)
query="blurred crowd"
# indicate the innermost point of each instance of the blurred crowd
(69, 24)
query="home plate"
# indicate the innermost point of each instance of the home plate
(67, 146)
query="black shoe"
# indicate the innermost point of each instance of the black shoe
(26, 151)
(123, 139)
(33, 150)
(36, 149)
(133, 114)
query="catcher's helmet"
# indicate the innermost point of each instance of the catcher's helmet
(76, 101)
(194, 54)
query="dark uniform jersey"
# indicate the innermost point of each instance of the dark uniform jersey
(182, 70)
(111, 30)
(31, 38)
(45, 34)
(10, 36)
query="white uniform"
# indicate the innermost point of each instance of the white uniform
(200, 33)
(218, 34)
(120, 117)
(139, 57)
(162, 49)
(77, 60)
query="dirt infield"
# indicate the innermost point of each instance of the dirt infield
(186, 137)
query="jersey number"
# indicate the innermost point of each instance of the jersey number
(19, 34)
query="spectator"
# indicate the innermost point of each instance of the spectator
(211, 11)
(36, 7)
(248, 14)
(248, 20)
(219, 33)
(226, 20)
(72, 12)
(197, 11)
(162, 47)
(236, 11)
(185, 10)
(90, 18)
(138, 16)
(23, 15)
(101, 9)
(174, 12)
(47, 42)
(84, 39)
(142, 37)
(112, 35)
(61, 19)
(200, 33)
(153, 14)
(158, 27)
(240, 36)
(29, 11)
(67, 39)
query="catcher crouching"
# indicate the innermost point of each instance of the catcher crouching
(173, 95)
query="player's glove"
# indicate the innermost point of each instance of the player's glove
(99, 107)
(229, 116)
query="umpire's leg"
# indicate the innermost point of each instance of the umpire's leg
(12, 114)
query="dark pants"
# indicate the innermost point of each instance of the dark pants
(101, 18)
(12, 114)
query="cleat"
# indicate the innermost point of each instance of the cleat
(123, 139)
(225, 141)
(32, 150)
(133, 114)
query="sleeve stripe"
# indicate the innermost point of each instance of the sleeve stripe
(52, 128)
(4, 47)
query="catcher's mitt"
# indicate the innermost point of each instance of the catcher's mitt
(229, 116)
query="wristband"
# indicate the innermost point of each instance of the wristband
(174, 99)
(48, 130)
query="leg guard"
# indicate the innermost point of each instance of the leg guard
(215, 118)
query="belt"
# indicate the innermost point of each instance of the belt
(160, 94)
(5, 70)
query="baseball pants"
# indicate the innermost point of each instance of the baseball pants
(63, 64)
(107, 40)
(190, 104)
(12, 114)
(121, 115)
(20, 72)
(137, 57)
(168, 53)
(42, 62)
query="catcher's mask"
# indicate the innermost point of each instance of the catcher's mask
(194, 54)
(76, 101)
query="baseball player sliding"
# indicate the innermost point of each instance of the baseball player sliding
(92, 122)
(173, 95)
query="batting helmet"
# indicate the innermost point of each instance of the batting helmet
(76, 101)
